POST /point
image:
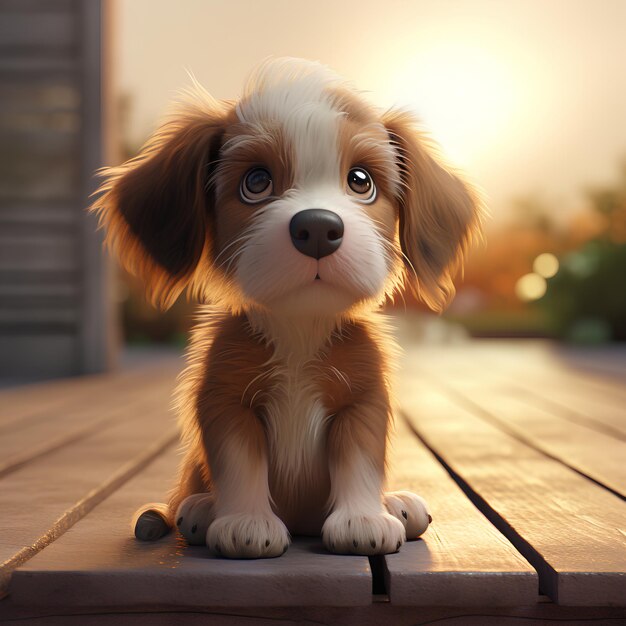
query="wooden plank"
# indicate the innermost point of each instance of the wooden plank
(608, 360)
(597, 455)
(591, 449)
(462, 560)
(30, 440)
(545, 382)
(46, 497)
(545, 364)
(570, 529)
(585, 407)
(98, 563)
(587, 398)
(602, 367)
(43, 401)
(537, 359)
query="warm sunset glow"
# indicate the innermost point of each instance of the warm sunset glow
(465, 94)
(508, 89)
(530, 287)
(546, 265)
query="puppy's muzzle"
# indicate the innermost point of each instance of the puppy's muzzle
(316, 232)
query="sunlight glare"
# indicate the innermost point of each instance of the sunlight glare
(463, 93)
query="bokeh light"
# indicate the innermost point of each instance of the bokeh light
(546, 265)
(530, 287)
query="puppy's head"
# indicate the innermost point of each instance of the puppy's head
(299, 198)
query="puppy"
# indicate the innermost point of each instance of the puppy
(292, 214)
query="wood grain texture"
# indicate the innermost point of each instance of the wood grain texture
(597, 455)
(570, 529)
(31, 441)
(99, 563)
(592, 449)
(462, 560)
(496, 442)
(37, 402)
(48, 492)
(542, 375)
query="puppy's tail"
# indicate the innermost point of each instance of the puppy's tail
(152, 521)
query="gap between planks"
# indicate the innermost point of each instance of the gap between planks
(572, 537)
(595, 403)
(100, 563)
(35, 402)
(117, 411)
(462, 559)
(463, 399)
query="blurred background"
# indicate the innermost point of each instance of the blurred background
(527, 97)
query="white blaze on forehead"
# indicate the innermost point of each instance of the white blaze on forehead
(295, 95)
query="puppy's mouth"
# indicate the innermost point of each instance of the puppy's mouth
(317, 276)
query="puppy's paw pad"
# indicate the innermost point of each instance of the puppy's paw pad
(194, 516)
(247, 536)
(411, 510)
(347, 532)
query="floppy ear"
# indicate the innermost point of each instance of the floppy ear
(155, 207)
(440, 214)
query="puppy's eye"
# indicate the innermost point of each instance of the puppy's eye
(256, 185)
(361, 185)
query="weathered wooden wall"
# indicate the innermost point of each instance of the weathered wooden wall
(55, 301)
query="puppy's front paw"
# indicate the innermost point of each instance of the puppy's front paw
(246, 536)
(353, 533)
(194, 516)
(411, 510)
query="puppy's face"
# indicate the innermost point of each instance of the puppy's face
(305, 218)
(299, 199)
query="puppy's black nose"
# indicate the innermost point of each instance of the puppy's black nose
(316, 232)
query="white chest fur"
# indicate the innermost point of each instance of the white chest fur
(295, 423)
(295, 415)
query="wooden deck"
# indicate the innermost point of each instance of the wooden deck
(519, 449)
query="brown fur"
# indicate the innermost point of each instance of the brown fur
(156, 206)
(231, 363)
(440, 214)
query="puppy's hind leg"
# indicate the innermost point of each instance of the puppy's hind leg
(411, 510)
(154, 520)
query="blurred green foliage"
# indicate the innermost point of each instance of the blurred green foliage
(585, 301)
